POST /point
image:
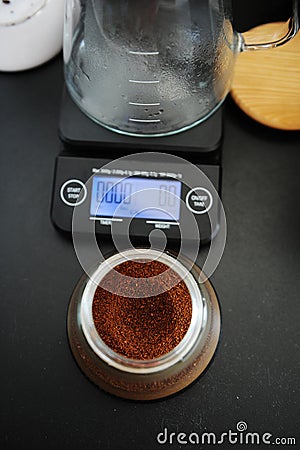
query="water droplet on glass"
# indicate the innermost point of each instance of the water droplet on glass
(202, 84)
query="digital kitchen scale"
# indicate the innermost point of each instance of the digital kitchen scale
(170, 193)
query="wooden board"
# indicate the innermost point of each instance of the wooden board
(266, 83)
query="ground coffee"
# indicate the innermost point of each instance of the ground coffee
(147, 327)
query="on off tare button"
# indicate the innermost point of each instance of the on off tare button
(199, 200)
(70, 192)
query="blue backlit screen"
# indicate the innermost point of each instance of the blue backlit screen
(141, 198)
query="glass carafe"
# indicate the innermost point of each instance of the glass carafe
(154, 67)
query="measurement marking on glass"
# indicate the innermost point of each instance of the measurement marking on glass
(143, 104)
(144, 82)
(145, 120)
(144, 53)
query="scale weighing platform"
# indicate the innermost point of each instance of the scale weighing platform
(142, 192)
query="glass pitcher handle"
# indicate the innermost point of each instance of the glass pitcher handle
(276, 35)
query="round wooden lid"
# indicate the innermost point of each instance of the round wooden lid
(266, 83)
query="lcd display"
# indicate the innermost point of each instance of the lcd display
(141, 198)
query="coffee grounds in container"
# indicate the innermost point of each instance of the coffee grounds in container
(142, 328)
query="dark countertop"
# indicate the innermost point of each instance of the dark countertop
(46, 402)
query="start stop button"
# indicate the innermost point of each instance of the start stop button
(199, 200)
(70, 192)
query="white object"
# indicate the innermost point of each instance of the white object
(31, 32)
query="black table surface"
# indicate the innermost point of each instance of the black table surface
(46, 402)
